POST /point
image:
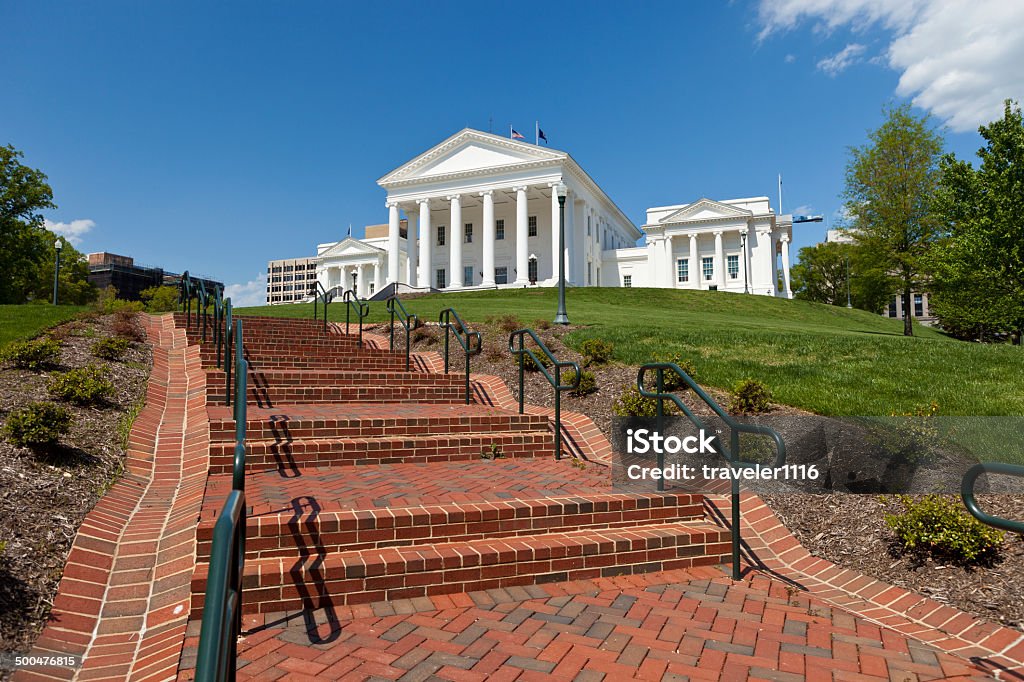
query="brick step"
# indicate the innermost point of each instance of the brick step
(265, 454)
(269, 396)
(290, 584)
(294, 532)
(368, 421)
(351, 363)
(319, 377)
(255, 350)
(258, 322)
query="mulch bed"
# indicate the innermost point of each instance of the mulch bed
(847, 529)
(45, 496)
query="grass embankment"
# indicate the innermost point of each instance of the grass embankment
(19, 322)
(822, 358)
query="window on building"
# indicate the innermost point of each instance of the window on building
(734, 266)
(918, 305)
(531, 226)
(708, 265)
(440, 235)
(440, 279)
(468, 234)
(892, 307)
(372, 288)
(588, 226)
(499, 228)
(467, 275)
(683, 270)
(627, 281)
(533, 270)
(501, 275)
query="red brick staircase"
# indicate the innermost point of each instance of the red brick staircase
(366, 482)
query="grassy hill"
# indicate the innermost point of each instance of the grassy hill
(18, 322)
(822, 358)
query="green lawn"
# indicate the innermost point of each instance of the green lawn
(18, 322)
(822, 358)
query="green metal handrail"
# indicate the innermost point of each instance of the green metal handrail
(967, 493)
(463, 336)
(408, 321)
(229, 338)
(362, 309)
(325, 295)
(735, 428)
(555, 381)
(222, 608)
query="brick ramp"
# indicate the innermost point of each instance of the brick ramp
(123, 601)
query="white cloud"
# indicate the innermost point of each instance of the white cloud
(253, 292)
(790, 58)
(841, 60)
(958, 59)
(804, 209)
(73, 231)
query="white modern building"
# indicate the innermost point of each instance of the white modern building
(482, 211)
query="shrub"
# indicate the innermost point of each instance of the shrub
(82, 386)
(37, 424)
(111, 348)
(530, 366)
(126, 325)
(33, 355)
(160, 299)
(423, 334)
(937, 526)
(596, 352)
(672, 381)
(508, 323)
(588, 383)
(541, 323)
(108, 302)
(750, 396)
(632, 404)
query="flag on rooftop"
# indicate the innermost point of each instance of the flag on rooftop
(540, 134)
(514, 134)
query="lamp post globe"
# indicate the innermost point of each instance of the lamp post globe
(57, 246)
(561, 317)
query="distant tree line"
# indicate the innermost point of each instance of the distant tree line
(921, 220)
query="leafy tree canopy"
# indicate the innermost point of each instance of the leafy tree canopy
(24, 192)
(824, 270)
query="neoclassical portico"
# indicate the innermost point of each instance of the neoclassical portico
(351, 263)
(486, 215)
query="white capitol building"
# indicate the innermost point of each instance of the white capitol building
(482, 211)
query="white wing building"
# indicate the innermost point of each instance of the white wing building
(481, 211)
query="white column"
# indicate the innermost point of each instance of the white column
(455, 245)
(695, 268)
(364, 280)
(745, 258)
(670, 266)
(488, 245)
(425, 243)
(785, 265)
(522, 237)
(554, 231)
(377, 283)
(410, 250)
(719, 261)
(766, 249)
(570, 231)
(393, 237)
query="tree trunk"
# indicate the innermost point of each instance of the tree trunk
(908, 322)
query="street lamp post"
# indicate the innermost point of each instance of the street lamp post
(354, 275)
(561, 317)
(743, 248)
(848, 303)
(57, 246)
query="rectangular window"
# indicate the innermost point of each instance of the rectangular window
(440, 279)
(683, 270)
(918, 305)
(467, 275)
(531, 226)
(501, 275)
(734, 266)
(499, 228)
(892, 307)
(708, 265)
(468, 238)
(372, 287)
(440, 235)
(627, 281)
(533, 270)
(588, 226)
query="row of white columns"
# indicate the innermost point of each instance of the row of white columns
(341, 275)
(424, 273)
(696, 274)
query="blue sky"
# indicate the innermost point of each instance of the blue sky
(216, 136)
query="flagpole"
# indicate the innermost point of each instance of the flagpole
(536, 133)
(780, 193)
(510, 131)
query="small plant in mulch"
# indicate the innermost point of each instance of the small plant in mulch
(37, 424)
(126, 324)
(588, 382)
(541, 323)
(631, 404)
(493, 451)
(596, 352)
(750, 396)
(425, 334)
(82, 386)
(33, 355)
(111, 348)
(937, 526)
(506, 323)
(672, 381)
(530, 365)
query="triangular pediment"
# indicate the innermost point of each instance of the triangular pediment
(470, 151)
(706, 209)
(350, 246)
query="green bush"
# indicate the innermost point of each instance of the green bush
(596, 352)
(37, 424)
(82, 386)
(750, 396)
(541, 323)
(530, 366)
(126, 325)
(108, 302)
(632, 404)
(938, 526)
(588, 383)
(111, 348)
(160, 299)
(673, 382)
(508, 323)
(34, 355)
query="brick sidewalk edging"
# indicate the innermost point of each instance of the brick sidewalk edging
(123, 601)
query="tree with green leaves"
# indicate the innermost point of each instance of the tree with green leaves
(890, 192)
(74, 287)
(160, 299)
(826, 270)
(24, 192)
(978, 265)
